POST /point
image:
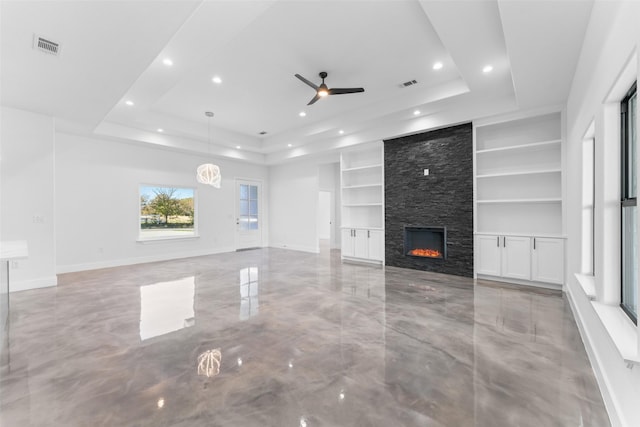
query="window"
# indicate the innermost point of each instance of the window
(166, 212)
(588, 192)
(248, 207)
(628, 108)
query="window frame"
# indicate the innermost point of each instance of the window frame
(625, 200)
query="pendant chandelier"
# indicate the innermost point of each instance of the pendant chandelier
(208, 173)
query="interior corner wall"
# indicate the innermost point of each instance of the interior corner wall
(612, 36)
(293, 206)
(97, 202)
(27, 203)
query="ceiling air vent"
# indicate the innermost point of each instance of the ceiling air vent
(46, 45)
(409, 83)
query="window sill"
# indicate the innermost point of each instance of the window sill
(587, 282)
(165, 239)
(620, 328)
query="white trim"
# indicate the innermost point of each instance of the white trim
(71, 268)
(25, 285)
(310, 249)
(531, 283)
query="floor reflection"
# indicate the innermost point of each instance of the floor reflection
(166, 307)
(249, 302)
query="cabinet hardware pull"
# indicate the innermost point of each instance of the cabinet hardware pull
(534, 243)
(368, 234)
(504, 241)
(498, 241)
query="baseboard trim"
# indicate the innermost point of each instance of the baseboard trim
(25, 285)
(72, 268)
(313, 250)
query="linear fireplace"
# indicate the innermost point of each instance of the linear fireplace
(425, 242)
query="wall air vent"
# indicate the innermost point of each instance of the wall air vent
(409, 83)
(46, 45)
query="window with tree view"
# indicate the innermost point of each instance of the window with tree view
(166, 212)
(629, 138)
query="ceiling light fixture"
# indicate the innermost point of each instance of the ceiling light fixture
(416, 112)
(302, 114)
(341, 132)
(437, 65)
(208, 173)
(289, 145)
(487, 68)
(129, 103)
(160, 130)
(217, 80)
(238, 147)
(167, 61)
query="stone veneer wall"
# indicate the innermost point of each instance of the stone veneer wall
(442, 199)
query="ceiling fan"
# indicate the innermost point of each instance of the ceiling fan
(323, 90)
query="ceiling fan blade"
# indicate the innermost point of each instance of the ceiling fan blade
(307, 81)
(314, 99)
(342, 91)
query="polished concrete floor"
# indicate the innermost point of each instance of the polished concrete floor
(282, 338)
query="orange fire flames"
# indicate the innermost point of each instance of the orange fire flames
(430, 253)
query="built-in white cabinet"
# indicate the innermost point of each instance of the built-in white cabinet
(518, 195)
(547, 261)
(362, 195)
(524, 258)
(362, 244)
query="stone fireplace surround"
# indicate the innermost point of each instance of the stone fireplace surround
(443, 198)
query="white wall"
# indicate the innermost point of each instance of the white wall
(612, 36)
(97, 202)
(293, 206)
(27, 202)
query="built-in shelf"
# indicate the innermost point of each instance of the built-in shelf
(518, 173)
(362, 190)
(519, 187)
(522, 147)
(502, 201)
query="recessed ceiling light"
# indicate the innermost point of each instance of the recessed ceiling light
(289, 145)
(302, 114)
(238, 147)
(416, 112)
(160, 130)
(216, 80)
(129, 103)
(437, 65)
(341, 132)
(167, 61)
(487, 68)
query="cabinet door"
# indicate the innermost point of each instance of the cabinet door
(488, 255)
(548, 260)
(347, 242)
(516, 257)
(361, 244)
(376, 245)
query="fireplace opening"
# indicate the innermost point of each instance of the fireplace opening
(425, 242)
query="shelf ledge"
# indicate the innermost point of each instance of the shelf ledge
(532, 172)
(359, 205)
(521, 147)
(621, 330)
(549, 200)
(359, 168)
(348, 187)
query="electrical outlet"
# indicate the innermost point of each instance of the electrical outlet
(38, 219)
